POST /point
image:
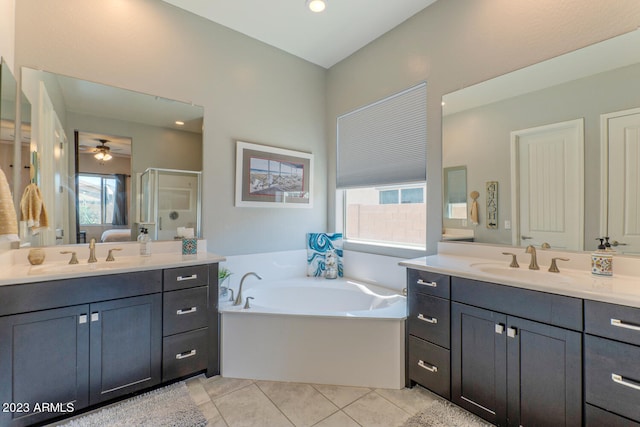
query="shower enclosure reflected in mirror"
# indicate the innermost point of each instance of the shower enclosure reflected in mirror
(65, 109)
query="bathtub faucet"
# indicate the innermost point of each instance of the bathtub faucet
(238, 300)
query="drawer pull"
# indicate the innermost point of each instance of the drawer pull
(627, 383)
(620, 324)
(432, 320)
(192, 277)
(186, 354)
(431, 284)
(186, 310)
(431, 368)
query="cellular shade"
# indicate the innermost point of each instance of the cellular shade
(384, 142)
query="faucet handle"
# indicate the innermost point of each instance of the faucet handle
(246, 303)
(232, 298)
(110, 255)
(553, 268)
(74, 258)
(514, 260)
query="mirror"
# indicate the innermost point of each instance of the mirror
(93, 143)
(8, 93)
(486, 126)
(455, 193)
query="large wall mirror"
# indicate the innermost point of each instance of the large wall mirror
(91, 143)
(561, 139)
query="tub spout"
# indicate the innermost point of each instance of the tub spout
(238, 300)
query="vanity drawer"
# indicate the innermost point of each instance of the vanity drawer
(184, 354)
(430, 366)
(596, 417)
(429, 318)
(426, 282)
(612, 376)
(184, 310)
(612, 321)
(186, 277)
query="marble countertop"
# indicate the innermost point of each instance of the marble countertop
(15, 269)
(574, 282)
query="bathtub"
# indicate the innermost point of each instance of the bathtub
(313, 330)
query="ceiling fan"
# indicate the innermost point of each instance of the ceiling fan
(103, 153)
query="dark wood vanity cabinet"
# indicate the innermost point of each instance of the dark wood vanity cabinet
(612, 364)
(428, 361)
(69, 344)
(515, 371)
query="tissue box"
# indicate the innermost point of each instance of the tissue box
(189, 246)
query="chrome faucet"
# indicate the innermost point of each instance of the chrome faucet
(92, 250)
(533, 265)
(238, 300)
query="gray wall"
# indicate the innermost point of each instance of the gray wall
(250, 91)
(480, 139)
(457, 43)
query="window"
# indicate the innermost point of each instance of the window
(381, 171)
(96, 199)
(386, 216)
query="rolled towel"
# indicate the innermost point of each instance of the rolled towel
(8, 217)
(33, 210)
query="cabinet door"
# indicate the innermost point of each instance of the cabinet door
(44, 359)
(544, 377)
(126, 346)
(478, 362)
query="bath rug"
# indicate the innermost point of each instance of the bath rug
(444, 414)
(169, 406)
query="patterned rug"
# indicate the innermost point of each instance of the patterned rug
(169, 406)
(441, 413)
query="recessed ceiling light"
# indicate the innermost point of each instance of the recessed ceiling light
(316, 5)
(179, 123)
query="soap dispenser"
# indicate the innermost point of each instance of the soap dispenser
(602, 260)
(145, 242)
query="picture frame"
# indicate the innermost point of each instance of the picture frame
(273, 177)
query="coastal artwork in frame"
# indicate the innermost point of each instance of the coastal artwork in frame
(272, 177)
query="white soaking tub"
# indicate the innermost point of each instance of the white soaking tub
(314, 330)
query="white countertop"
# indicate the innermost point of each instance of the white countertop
(574, 282)
(15, 269)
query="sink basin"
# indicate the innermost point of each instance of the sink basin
(522, 274)
(62, 268)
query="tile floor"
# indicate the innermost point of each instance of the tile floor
(239, 402)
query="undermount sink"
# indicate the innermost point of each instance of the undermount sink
(61, 268)
(522, 274)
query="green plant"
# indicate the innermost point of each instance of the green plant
(223, 273)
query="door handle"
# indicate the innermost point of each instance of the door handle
(620, 324)
(192, 277)
(526, 237)
(627, 383)
(186, 310)
(186, 354)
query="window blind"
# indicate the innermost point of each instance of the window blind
(384, 142)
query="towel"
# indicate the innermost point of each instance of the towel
(474, 212)
(33, 209)
(8, 217)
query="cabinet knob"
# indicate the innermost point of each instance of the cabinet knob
(512, 332)
(499, 329)
(95, 316)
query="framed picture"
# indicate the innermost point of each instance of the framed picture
(272, 177)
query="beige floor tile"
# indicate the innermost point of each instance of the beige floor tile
(249, 407)
(197, 391)
(341, 395)
(373, 410)
(301, 403)
(211, 413)
(219, 386)
(339, 419)
(411, 400)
